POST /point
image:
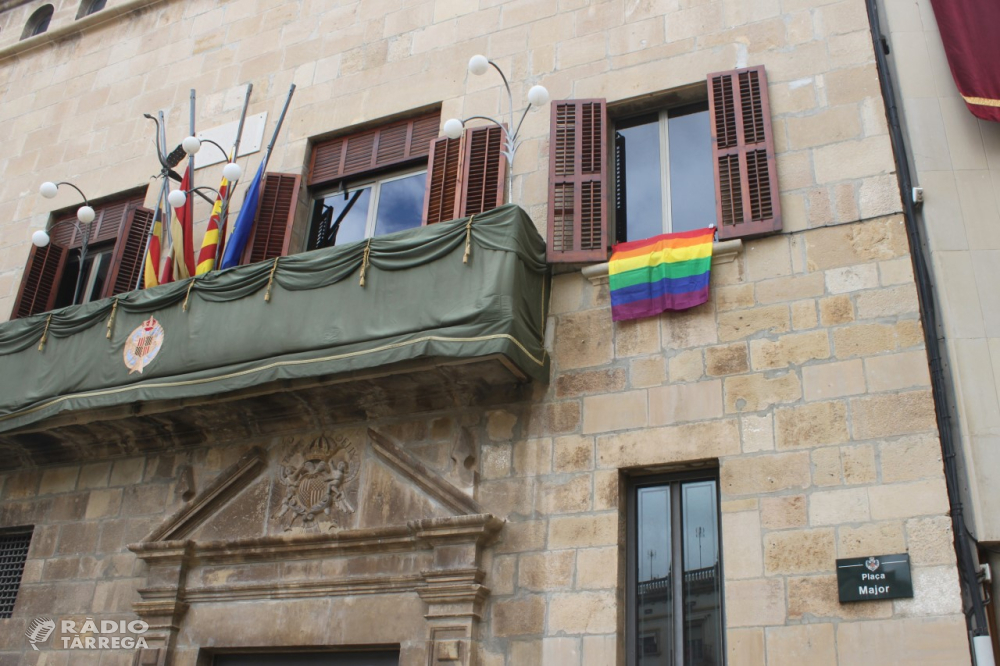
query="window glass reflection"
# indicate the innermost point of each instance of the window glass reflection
(654, 598)
(400, 204)
(352, 225)
(643, 194)
(702, 575)
(692, 182)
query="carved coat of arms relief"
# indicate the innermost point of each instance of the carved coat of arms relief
(319, 482)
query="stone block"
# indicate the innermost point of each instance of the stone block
(103, 503)
(887, 302)
(917, 641)
(690, 441)
(755, 603)
(567, 291)
(606, 489)
(860, 243)
(752, 393)
(811, 644)
(833, 380)
(676, 403)
(636, 337)
(524, 615)
(864, 340)
(799, 551)
(745, 647)
(532, 457)
(741, 539)
(504, 497)
(734, 297)
(793, 349)
(935, 592)
(573, 453)
(836, 310)
(522, 536)
(78, 538)
(790, 288)
(768, 257)
(886, 415)
(757, 432)
(554, 418)
(600, 649)
(650, 371)
(615, 411)
(572, 496)
(500, 425)
(501, 579)
(861, 540)
(826, 466)
(597, 568)
(834, 507)
(764, 474)
(561, 651)
(94, 476)
(930, 540)
(583, 339)
(583, 613)
(813, 424)
(897, 371)
(686, 366)
(59, 480)
(859, 464)
(813, 597)
(908, 500)
(731, 359)
(127, 472)
(688, 328)
(599, 529)
(804, 315)
(548, 570)
(740, 324)
(830, 125)
(851, 278)
(495, 461)
(778, 513)
(896, 271)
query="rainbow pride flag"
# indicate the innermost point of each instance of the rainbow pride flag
(667, 272)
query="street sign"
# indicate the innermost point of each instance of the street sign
(874, 578)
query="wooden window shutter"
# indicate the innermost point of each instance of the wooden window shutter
(483, 170)
(130, 253)
(272, 229)
(443, 168)
(578, 166)
(40, 281)
(378, 148)
(746, 179)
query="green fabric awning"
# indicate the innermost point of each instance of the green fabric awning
(306, 315)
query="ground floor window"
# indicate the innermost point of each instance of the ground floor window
(674, 572)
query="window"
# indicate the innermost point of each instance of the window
(38, 22)
(369, 208)
(665, 167)
(88, 7)
(14, 545)
(663, 173)
(674, 572)
(53, 276)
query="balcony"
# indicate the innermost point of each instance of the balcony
(446, 315)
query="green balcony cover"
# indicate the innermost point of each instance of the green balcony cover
(306, 315)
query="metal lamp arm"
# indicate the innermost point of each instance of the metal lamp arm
(86, 202)
(224, 153)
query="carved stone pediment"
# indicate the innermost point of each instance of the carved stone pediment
(324, 516)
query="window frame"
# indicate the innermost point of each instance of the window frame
(375, 181)
(11, 533)
(39, 21)
(663, 113)
(633, 483)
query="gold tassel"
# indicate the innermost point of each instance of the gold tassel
(111, 319)
(45, 334)
(468, 239)
(270, 281)
(364, 261)
(187, 295)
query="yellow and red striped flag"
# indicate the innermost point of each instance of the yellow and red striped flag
(215, 234)
(151, 269)
(180, 257)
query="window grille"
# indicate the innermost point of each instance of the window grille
(13, 554)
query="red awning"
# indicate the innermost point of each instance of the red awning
(970, 30)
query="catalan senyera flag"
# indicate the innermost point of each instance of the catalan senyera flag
(151, 269)
(181, 256)
(215, 233)
(666, 272)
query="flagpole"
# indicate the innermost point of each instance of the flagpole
(277, 128)
(224, 210)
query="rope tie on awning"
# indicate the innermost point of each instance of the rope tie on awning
(111, 319)
(45, 333)
(270, 281)
(364, 261)
(187, 295)
(468, 239)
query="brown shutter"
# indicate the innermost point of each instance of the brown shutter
(483, 170)
(130, 253)
(443, 168)
(272, 229)
(40, 281)
(578, 199)
(386, 146)
(746, 180)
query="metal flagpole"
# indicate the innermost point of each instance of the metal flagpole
(224, 210)
(277, 128)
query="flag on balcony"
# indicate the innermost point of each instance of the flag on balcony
(178, 262)
(152, 266)
(216, 231)
(666, 272)
(244, 222)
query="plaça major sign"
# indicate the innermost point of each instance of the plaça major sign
(874, 578)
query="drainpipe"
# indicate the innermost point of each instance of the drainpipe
(975, 616)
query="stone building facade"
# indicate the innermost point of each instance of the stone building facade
(493, 528)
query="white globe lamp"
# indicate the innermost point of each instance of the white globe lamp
(85, 214)
(177, 198)
(48, 189)
(40, 238)
(232, 172)
(538, 95)
(453, 128)
(191, 145)
(478, 64)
